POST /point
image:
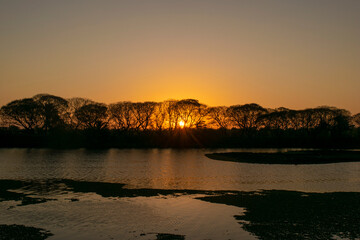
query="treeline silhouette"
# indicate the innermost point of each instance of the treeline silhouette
(51, 121)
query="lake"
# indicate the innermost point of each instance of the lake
(173, 194)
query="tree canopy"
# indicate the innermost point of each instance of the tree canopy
(46, 112)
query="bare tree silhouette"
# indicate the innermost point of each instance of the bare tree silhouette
(93, 116)
(219, 116)
(25, 113)
(245, 116)
(53, 110)
(160, 124)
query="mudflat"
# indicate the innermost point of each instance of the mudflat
(289, 157)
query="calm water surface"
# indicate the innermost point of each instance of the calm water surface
(175, 194)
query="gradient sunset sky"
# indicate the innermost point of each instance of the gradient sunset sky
(295, 54)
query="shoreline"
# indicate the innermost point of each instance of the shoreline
(289, 157)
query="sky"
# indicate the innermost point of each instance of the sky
(295, 54)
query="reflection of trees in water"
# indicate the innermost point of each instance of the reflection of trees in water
(278, 214)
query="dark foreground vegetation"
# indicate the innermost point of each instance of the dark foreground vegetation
(268, 214)
(51, 121)
(289, 157)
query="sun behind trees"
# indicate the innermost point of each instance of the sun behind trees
(46, 114)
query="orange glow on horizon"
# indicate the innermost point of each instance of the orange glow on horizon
(182, 124)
